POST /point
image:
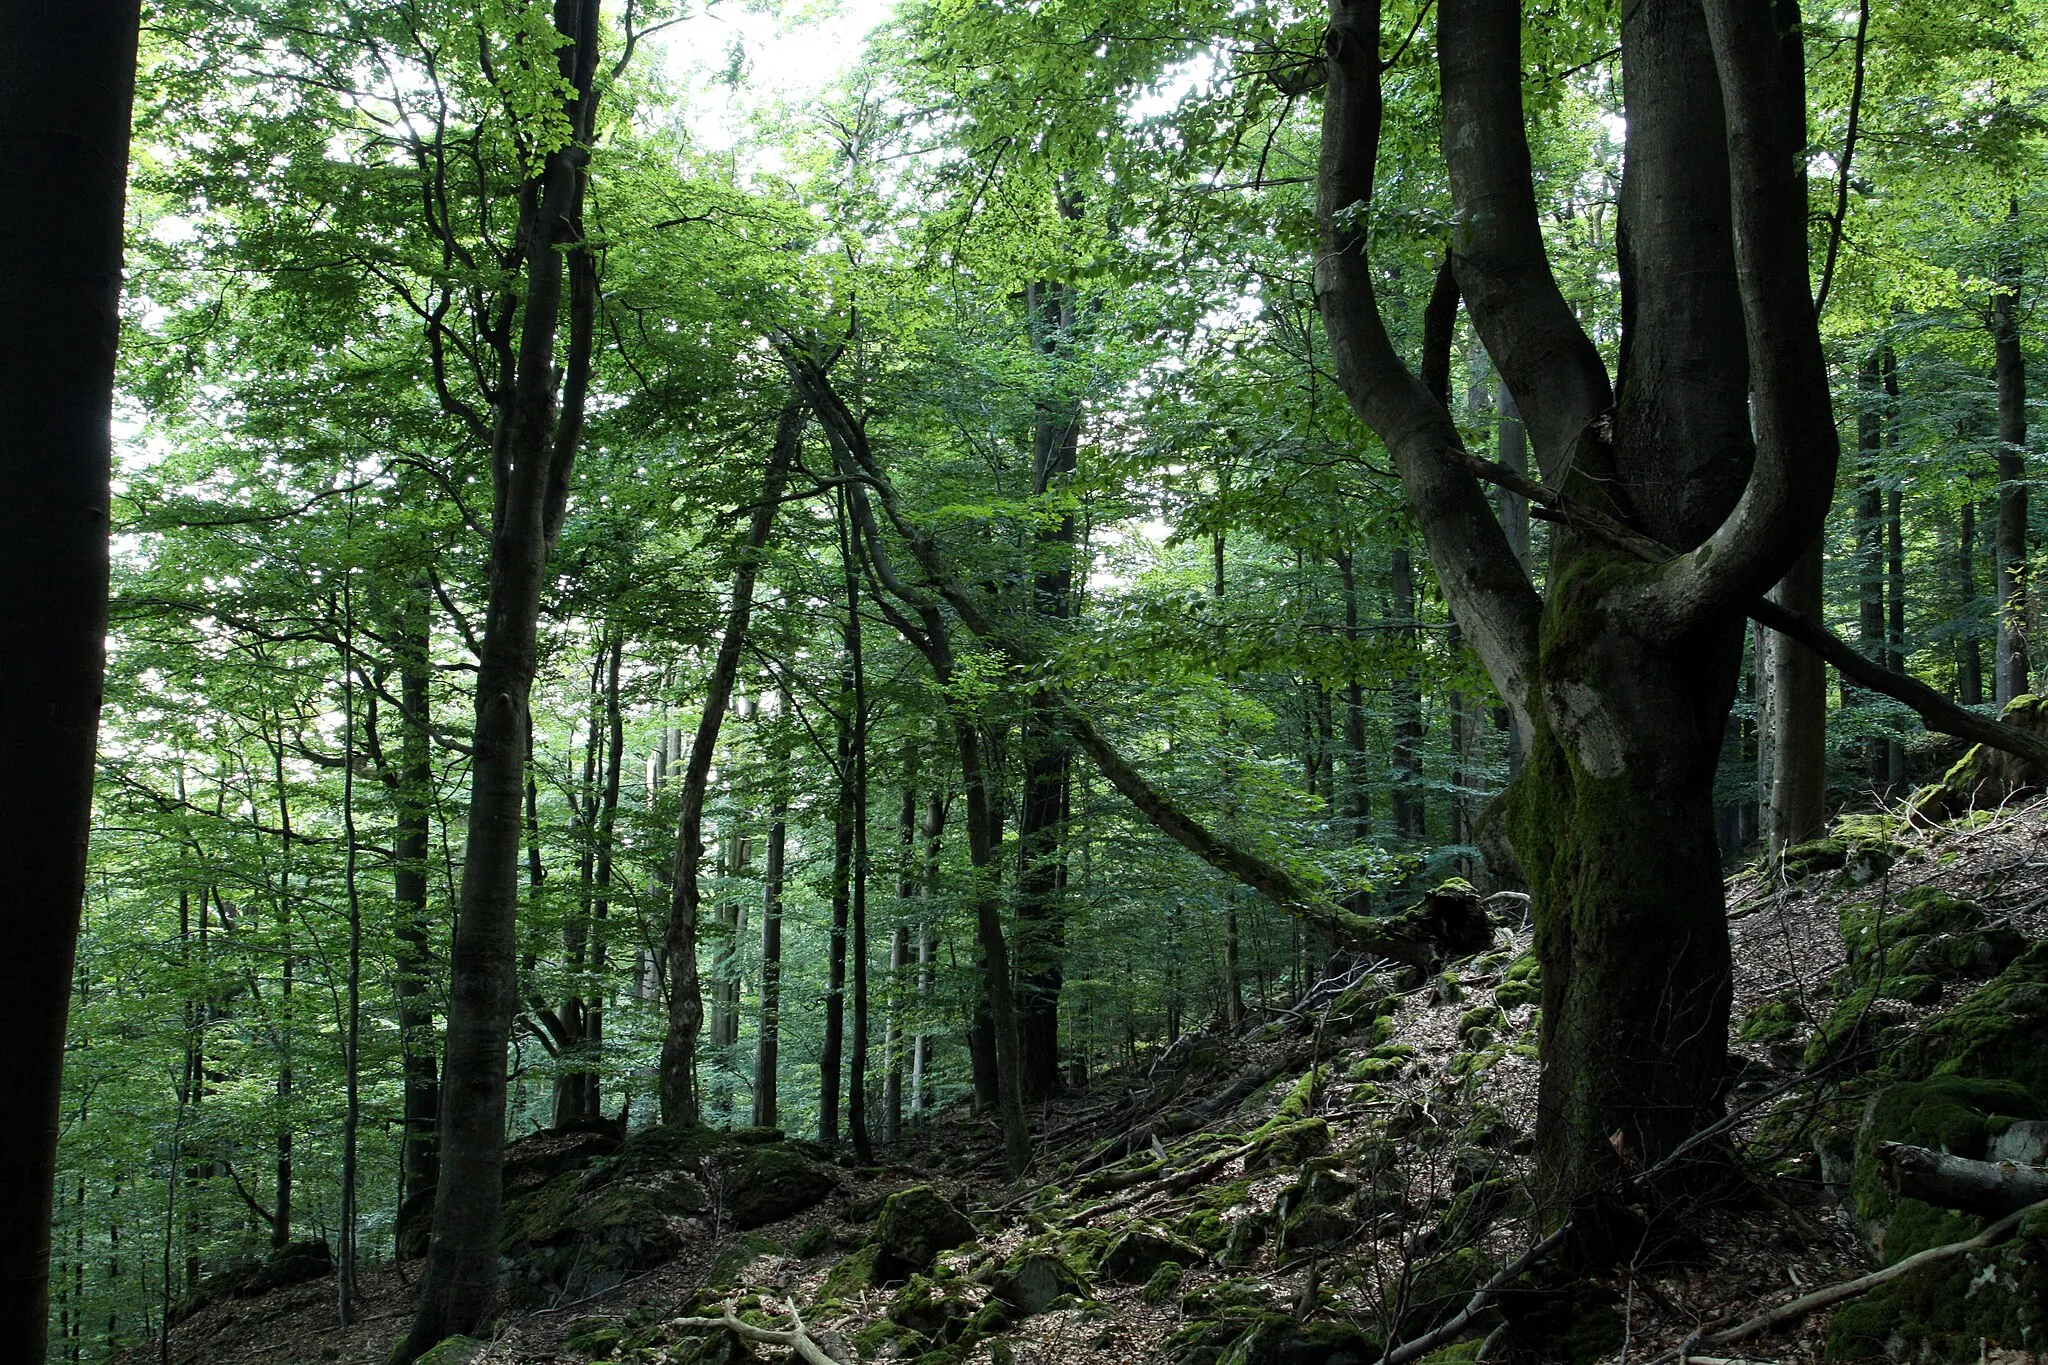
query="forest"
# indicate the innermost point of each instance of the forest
(1023, 680)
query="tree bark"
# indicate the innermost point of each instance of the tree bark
(768, 1035)
(856, 661)
(67, 78)
(679, 1097)
(1870, 536)
(1410, 810)
(1041, 920)
(1799, 708)
(413, 961)
(1622, 693)
(2011, 373)
(533, 453)
(1970, 666)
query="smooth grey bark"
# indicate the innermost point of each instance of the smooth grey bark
(1623, 694)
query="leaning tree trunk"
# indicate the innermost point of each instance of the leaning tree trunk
(1719, 442)
(679, 1099)
(534, 451)
(67, 77)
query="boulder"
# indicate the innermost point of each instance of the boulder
(767, 1182)
(915, 1225)
(1136, 1256)
(1032, 1281)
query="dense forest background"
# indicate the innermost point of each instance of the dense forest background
(1017, 314)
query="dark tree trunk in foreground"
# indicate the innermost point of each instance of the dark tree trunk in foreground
(857, 739)
(67, 77)
(679, 1099)
(533, 451)
(1620, 679)
(2011, 372)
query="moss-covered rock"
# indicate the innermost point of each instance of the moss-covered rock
(767, 1182)
(566, 1242)
(1954, 1310)
(1139, 1252)
(1275, 1339)
(937, 1309)
(1815, 856)
(1984, 776)
(1033, 1280)
(1288, 1144)
(853, 1273)
(1165, 1282)
(1248, 1232)
(1954, 1114)
(1995, 1032)
(915, 1225)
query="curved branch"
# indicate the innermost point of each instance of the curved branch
(1756, 51)
(1488, 591)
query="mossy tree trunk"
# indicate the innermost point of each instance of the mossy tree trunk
(1715, 438)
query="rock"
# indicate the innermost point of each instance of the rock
(533, 1161)
(1138, 1253)
(1953, 1114)
(767, 1182)
(937, 1310)
(1279, 1340)
(1289, 1144)
(2024, 1143)
(1031, 1282)
(566, 1242)
(1815, 856)
(853, 1274)
(915, 1225)
(289, 1265)
(1476, 1026)
(1961, 1309)
(1247, 1234)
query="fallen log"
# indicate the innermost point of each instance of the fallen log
(1989, 1188)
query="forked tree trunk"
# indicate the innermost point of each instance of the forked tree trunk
(67, 77)
(1620, 678)
(679, 1097)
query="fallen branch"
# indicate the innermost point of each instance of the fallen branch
(799, 1339)
(1988, 1188)
(1807, 1304)
(1179, 1180)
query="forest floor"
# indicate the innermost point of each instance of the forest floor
(1374, 1171)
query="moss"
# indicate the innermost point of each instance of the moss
(1288, 1145)
(1995, 1031)
(1511, 995)
(1953, 1114)
(1818, 855)
(1777, 1019)
(453, 1351)
(1277, 1339)
(1472, 1022)
(1954, 1310)
(853, 1274)
(886, 1340)
(1204, 1228)
(1440, 1286)
(914, 1227)
(1133, 1257)
(729, 1267)
(1034, 1279)
(542, 1216)
(1913, 990)
(1165, 1282)
(767, 1182)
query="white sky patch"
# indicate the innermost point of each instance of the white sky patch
(784, 55)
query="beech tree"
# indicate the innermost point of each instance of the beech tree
(1715, 438)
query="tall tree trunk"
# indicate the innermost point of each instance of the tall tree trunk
(679, 1099)
(1799, 709)
(768, 1036)
(533, 452)
(1357, 780)
(601, 891)
(413, 959)
(856, 660)
(1720, 441)
(1870, 577)
(1970, 664)
(67, 77)
(991, 949)
(1895, 565)
(2011, 373)
(933, 829)
(832, 1054)
(1041, 918)
(899, 946)
(1410, 811)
